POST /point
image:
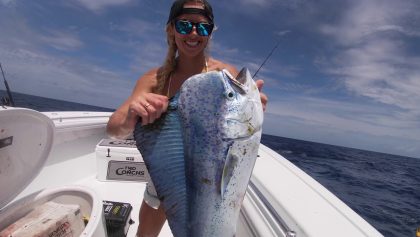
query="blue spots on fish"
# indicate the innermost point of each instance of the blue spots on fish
(220, 149)
(201, 153)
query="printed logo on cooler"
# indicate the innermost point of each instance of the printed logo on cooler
(130, 171)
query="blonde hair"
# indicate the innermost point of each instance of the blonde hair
(170, 62)
(169, 65)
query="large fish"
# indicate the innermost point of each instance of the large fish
(200, 154)
(161, 146)
(221, 120)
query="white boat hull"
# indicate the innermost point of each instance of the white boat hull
(281, 200)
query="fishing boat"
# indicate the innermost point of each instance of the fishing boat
(68, 158)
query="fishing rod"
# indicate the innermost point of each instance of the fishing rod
(266, 59)
(9, 93)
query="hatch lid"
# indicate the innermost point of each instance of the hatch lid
(26, 138)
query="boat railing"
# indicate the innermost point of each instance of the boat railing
(277, 224)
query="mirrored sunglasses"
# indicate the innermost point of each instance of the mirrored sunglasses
(185, 27)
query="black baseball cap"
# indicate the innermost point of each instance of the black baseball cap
(178, 9)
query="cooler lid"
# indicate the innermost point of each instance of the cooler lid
(26, 138)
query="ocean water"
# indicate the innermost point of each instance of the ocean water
(384, 189)
(46, 104)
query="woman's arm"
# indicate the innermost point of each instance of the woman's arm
(141, 103)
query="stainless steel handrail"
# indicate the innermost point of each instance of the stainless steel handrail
(277, 218)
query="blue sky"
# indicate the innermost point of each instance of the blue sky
(346, 72)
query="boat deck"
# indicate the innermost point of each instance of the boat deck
(281, 199)
(127, 192)
(71, 172)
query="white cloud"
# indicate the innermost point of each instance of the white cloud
(373, 60)
(146, 43)
(362, 19)
(7, 2)
(32, 69)
(344, 116)
(283, 33)
(260, 3)
(62, 40)
(351, 124)
(295, 127)
(240, 58)
(148, 56)
(256, 7)
(99, 5)
(34, 72)
(264, 4)
(139, 28)
(400, 29)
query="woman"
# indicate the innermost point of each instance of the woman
(188, 29)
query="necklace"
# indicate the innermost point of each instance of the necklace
(206, 69)
(169, 85)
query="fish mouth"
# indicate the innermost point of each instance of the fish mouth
(236, 129)
(243, 121)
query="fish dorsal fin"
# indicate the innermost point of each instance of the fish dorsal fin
(230, 165)
(235, 82)
(241, 77)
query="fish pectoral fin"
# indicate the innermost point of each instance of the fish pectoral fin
(230, 165)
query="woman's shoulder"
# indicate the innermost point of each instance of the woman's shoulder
(148, 81)
(150, 75)
(217, 65)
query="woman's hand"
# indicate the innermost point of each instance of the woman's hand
(148, 107)
(264, 98)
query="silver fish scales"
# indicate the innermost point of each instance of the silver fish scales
(221, 119)
(201, 153)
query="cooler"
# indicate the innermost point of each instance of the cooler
(119, 160)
